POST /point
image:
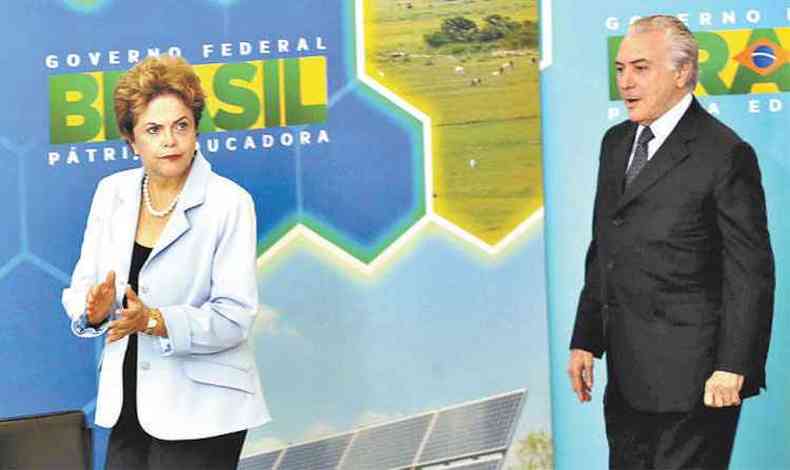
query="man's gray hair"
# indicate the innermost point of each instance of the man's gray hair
(683, 48)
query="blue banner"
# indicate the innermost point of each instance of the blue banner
(742, 85)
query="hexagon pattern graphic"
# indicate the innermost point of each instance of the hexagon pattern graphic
(11, 241)
(350, 164)
(471, 67)
(354, 175)
(68, 380)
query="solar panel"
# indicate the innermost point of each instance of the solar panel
(487, 465)
(259, 462)
(386, 446)
(318, 455)
(461, 432)
(473, 429)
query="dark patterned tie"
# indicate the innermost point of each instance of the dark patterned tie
(640, 156)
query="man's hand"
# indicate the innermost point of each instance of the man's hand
(723, 389)
(134, 318)
(100, 299)
(580, 370)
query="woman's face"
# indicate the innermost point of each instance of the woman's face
(165, 136)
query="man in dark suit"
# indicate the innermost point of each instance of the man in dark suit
(679, 274)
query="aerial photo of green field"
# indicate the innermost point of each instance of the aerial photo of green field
(471, 65)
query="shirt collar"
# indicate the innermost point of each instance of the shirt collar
(664, 125)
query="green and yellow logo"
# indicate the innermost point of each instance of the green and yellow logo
(247, 95)
(735, 62)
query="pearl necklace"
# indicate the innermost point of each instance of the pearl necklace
(150, 207)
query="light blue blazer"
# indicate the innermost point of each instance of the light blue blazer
(202, 380)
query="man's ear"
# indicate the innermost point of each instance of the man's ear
(683, 75)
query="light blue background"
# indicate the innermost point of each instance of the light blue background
(575, 103)
(442, 324)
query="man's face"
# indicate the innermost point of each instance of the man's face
(645, 78)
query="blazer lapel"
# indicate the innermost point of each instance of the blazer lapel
(192, 195)
(176, 226)
(669, 155)
(124, 225)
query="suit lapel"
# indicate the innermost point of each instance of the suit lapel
(620, 154)
(673, 151)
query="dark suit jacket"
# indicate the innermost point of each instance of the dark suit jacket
(679, 273)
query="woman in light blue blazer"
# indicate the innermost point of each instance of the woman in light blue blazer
(167, 274)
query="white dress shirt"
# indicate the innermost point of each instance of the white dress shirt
(662, 127)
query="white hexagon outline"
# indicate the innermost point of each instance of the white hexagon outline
(526, 226)
(25, 255)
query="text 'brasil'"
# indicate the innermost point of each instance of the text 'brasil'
(245, 95)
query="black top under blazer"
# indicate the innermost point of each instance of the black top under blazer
(679, 275)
